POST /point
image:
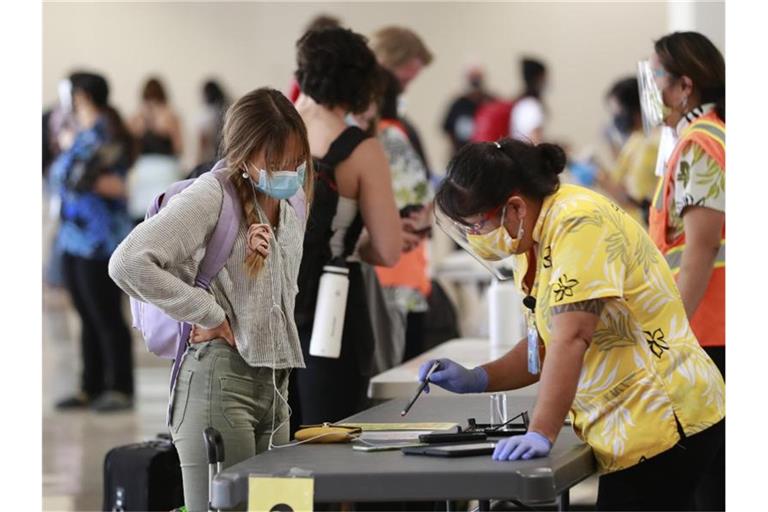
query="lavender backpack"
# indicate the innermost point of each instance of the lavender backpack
(163, 335)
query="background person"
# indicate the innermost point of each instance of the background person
(406, 286)
(90, 178)
(687, 220)
(211, 121)
(522, 117)
(459, 122)
(529, 115)
(631, 181)
(402, 52)
(157, 131)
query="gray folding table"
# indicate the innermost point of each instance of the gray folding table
(342, 474)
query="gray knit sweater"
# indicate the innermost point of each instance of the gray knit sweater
(157, 263)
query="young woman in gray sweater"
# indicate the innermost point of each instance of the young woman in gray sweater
(244, 341)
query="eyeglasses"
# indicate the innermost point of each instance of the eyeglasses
(477, 227)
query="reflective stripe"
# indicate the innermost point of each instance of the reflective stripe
(658, 196)
(675, 256)
(712, 129)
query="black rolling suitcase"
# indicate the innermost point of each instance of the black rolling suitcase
(143, 476)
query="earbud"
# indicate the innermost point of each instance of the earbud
(245, 175)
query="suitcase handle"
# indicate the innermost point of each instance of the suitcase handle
(214, 445)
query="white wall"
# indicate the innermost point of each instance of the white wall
(587, 46)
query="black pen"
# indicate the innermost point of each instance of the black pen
(434, 367)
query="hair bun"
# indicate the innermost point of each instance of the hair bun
(552, 157)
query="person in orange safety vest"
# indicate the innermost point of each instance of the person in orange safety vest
(687, 217)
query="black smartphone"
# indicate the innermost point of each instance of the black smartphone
(452, 450)
(459, 437)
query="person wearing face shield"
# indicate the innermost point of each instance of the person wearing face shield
(631, 180)
(686, 91)
(608, 337)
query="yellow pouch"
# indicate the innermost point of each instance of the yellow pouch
(327, 433)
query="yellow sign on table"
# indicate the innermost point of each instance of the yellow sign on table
(280, 494)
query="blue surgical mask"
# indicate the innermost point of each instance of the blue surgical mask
(281, 184)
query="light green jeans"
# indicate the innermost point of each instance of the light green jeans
(217, 388)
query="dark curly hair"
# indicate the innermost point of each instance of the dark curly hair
(336, 68)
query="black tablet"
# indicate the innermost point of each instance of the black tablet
(451, 450)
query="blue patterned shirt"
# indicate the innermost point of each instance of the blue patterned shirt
(92, 226)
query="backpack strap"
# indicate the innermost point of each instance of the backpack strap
(217, 252)
(224, 234)
(299, 203)
(162, 199)
(343, 146)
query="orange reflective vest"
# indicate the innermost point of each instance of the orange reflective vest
(708, 322)
(411, 270)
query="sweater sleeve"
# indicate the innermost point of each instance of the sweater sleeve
(140, 264)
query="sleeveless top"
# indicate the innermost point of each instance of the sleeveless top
(334, 224)
(153, 143)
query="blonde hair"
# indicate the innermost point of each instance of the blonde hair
(262, 120)
(395, 46)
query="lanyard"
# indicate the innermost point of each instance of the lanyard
(529, 301)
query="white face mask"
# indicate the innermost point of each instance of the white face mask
(401, 104)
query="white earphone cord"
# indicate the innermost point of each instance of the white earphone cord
(281, 316)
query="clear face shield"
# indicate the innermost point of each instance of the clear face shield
(471, 238)
(651, 103)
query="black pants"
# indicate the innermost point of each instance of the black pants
(667, 481)
(414, 335)
(333, 389)
(710, 495)
(105, 338)
(327, 389)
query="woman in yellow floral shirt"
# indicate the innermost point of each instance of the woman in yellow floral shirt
(617, 353)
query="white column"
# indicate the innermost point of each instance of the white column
(705, 17)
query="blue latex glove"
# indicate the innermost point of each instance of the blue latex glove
(532, 445)
(454, 377)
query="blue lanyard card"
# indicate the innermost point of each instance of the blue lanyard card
(534, 365)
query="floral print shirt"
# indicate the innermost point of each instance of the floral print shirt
(411, 187)
(644, 370)
(698, 181)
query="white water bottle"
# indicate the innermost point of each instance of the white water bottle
(329, 312)
(504, 313)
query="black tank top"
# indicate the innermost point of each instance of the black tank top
(320, 230)
(153, 143)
